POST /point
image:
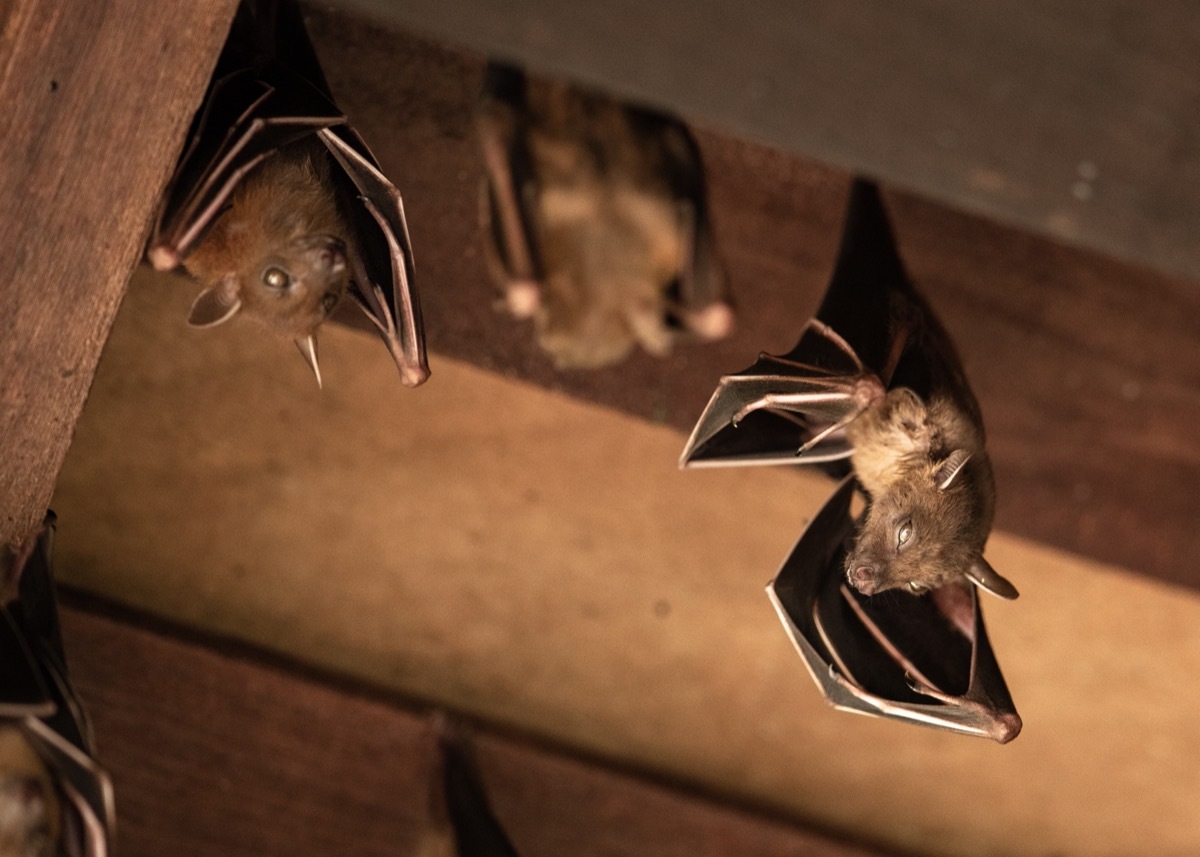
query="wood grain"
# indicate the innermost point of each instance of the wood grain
(95, 98)
(215, 749)
(1088, 370)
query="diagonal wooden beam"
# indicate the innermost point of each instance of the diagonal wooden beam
(95, 99)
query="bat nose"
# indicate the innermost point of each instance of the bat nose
(863, 579)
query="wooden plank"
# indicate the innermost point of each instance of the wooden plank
(1080, 126)
(95, 99)
(215, 749)
(1088, 370)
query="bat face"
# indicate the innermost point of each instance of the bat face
(919, 535)
(277, 253)
(599, 224)
(931, 489)
(29, 807)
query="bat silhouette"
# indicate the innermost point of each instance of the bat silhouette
(599, 221)
(53, 795)
(462, 821)
(277, 205)
(874, 387)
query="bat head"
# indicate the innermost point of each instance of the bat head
(928, 529)
(292, 288)
(277, 254)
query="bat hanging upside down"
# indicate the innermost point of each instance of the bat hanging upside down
(598, 220)
(279, 209)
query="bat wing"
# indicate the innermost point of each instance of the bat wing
(384, 282)
(923, 660)
(248, 115)
(785, 410)
(49, 713)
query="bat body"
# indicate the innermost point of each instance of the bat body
(54, 798)
(932, 496)
(599, 221)
(278, 253)
(874, 392)
(30, 813)
(279, 208)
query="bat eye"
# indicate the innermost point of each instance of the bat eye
(276, 278)
(904, 533)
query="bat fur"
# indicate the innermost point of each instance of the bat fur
(29, 806)
(277, 254)
(932, 496)
(607, 219)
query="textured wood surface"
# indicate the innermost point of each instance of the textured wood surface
(217, 751)
(1088, 370)
(95, 98)
(1076, 125)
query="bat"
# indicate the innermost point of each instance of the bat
(54, 797)
(278, 207)
(874, 393)
(598, 218)
(463, 824)
(875, 381)
(924, 659)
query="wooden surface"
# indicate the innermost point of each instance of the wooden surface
(1078, 123)
(216, 750)
(95, 98)
(1087, 370)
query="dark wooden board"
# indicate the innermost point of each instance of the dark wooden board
(1077, 122)
(95, 99)
(217, 750)
(1088, 370)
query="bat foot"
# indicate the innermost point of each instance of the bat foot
(715, 321)
(163, 258)
(523, 298)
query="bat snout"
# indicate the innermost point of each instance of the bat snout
(864, 578)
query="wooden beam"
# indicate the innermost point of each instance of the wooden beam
(95, 99)
(1077, 126)
(216, 749)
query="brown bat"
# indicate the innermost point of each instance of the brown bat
(279, 209)
(599, 221)
(916, 448)
(932, 493)
(874, 392)
(30, 813)
(54, 797)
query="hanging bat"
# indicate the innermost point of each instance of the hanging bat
(462, 821)
(874, 380)
(278, 207)
(598, 221)
(54, 798)
(923, 660)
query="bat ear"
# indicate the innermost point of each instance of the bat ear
(950, 467)
(215, 305)
(985, 577)
(308, 350)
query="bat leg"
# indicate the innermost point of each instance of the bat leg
(495, 124)
(702, 308)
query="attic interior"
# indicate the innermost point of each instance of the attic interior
(270, 585)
